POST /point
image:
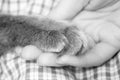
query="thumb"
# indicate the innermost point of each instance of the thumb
(70, 60)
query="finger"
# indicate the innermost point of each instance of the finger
(48, 59)
(70, 60)
(30, 52)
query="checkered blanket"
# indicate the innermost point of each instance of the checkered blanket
(24, 7)
(16, 68)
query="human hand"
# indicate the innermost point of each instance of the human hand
(29, 52)
(67, 9)
(48, 59)
(52, 59)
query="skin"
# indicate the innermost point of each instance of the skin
(104, 30)
(74, 7)
(65, 6)
(107, 31)
(108, 43)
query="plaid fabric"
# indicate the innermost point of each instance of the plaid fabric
(23, 7)
(15, 68)
(108, 71)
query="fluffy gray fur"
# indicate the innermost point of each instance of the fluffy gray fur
(44, 33)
